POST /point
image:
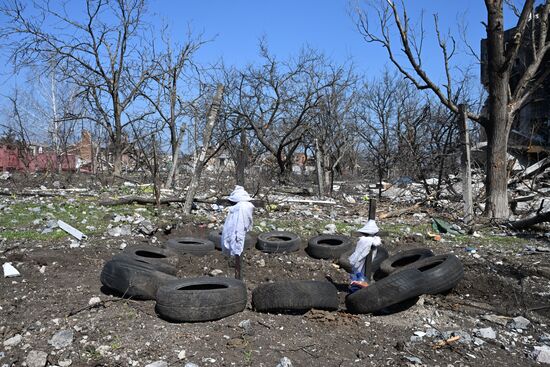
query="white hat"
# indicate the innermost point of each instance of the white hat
(239, 194)
(369, 228)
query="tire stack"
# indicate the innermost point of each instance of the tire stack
(406, 275)
(138, 271)
(149, 273)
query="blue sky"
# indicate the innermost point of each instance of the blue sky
(326, 25)
(235, 26)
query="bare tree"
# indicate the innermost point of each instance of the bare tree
(103, 54)
(202, 156)
(331, 126)
(505, 99)
(277, 99)
(376, 116)
(171, 94)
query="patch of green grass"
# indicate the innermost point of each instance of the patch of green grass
(129, 312)
(116, 343)
(247, 356)
(19, 222)
(91, 353)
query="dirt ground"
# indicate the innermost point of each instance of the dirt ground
(502, 280)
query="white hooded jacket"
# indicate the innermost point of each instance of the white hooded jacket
(237, 223)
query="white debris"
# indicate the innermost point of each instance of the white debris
(487, 333)
(62, 339)
(520, 323)
(541, 354)
(330, 228)
(10, 271)
(36, 358)
(13, 341)
(94, 301)
(216, 272)
(157, 364)
(285, 362)
(182, 355)
(71, 230)
(74, 244)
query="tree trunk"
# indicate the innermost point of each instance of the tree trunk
(199, 163)
(242, 160)
(327, 174)
(175, 158)
(496, 205)
(117, 160)
(318, 164)
(497, 128)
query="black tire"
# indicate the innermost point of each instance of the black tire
(190, 245)
(328, 246)
(133, 279)
(381, 255)
(200, 299)
(278, 241)
(404, 258)
(157, 265)
(441, 273)
(216, 237)
(162, 258)
(386, 292)
(295, 296)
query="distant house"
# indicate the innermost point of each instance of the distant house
(34, 158)
(40, 157)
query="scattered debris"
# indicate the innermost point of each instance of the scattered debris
(13, 341)
(520, 323)
(10, 271)
(36, 358)
(71, 230)
(499, 320)
(486, 333)
(443, 343)
(284, 362)
(61, 339)
(413, 360)
(94, 301)
(157, 364)
(541, 354)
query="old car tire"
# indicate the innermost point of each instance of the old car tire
(381, 255)
(328, 246)
(386, 292)
(163, 259)
(278, 241)
(132, 278)
(216, 237)
(157, 265)
(441, 273)
(404, 258)
(295, 295)
(190, 245)
(200, 299)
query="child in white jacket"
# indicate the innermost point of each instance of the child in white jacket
(367, 244)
